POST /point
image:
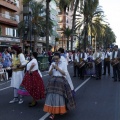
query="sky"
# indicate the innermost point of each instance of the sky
(111, 9)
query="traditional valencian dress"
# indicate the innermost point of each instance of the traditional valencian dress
(33, 82)
(59, 97)
(18, 73)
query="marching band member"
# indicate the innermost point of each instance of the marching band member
(82, 60)
(115, 62)
(75, 63)
(98, 57)
(107, 55)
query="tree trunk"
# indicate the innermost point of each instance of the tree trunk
(67, 43)
(47, 24)
(35, 43)
(73, 22)
(86, 37)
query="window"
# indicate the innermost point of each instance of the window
(11, 32)
(7, 14)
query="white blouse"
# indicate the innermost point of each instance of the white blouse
(33, 61)
(62, 65)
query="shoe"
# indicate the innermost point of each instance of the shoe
(14, 100)
(33, 104)
(52, 117)
(20, 101)
(115, 81)
(113, 77)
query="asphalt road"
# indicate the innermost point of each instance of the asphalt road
(95, 100)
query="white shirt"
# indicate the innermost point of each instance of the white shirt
(116, 52)
(115, 56)
(85, 57)
(96, 55)
(33, 61)
(106, 55)
(61, 65)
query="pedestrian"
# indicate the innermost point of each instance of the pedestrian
(32, 81)
(18, 64)
(59, 97)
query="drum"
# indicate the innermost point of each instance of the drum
(81, 64)
(114, 62)
(107, 59)
(97, 61)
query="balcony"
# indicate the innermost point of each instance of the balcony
(9, 39)
(10, 4)
(7, 19)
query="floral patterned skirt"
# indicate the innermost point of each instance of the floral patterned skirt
(33, 83)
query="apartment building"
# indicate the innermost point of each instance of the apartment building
(64, 21)
(8, 23)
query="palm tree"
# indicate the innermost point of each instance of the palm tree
(47, 23)
(92, 21)
(67, 32)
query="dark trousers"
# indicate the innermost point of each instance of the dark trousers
(116, 72)
(76, 71)
(106, 65)
(98, 69)
(9, 73)
(82, 71)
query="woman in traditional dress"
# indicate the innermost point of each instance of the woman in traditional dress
(18, 64)
(32, 81)
(59, 97)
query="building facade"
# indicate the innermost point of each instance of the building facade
(9, 20)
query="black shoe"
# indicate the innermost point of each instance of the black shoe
(97, 78)
(74, 75)
(115, 81)
(113, 77)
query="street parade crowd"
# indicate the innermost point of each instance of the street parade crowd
(59, 94)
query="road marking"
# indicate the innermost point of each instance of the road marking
(81, 84)
(5, 88)
(47, 114)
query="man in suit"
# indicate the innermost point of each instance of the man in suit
(116, 68)
(107, 55)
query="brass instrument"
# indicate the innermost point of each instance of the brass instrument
(115, 61)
